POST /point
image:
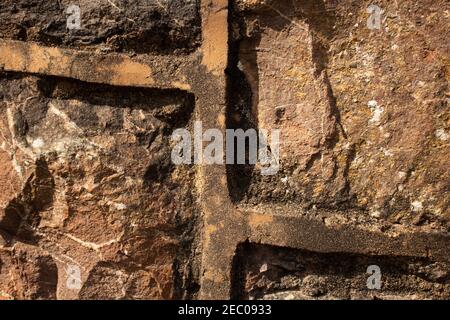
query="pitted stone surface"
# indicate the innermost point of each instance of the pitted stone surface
(91, 206)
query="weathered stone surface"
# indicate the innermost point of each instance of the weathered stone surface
(277, 273)
(363, 113)
(95, 184)
(91, 206)
(140, 26)
(27, 273)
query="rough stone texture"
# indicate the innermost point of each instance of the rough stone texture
(278, 273)
(141, 26)
(27, 273)
(95, 186)
(363, 114)
(87, 184)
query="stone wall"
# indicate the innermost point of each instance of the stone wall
(93, 207)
